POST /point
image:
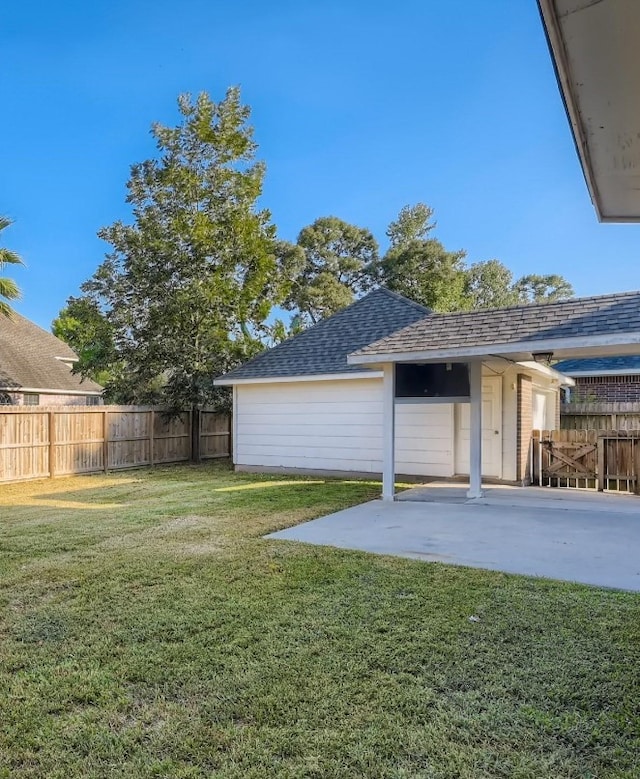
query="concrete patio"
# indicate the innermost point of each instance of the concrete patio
(572, 535)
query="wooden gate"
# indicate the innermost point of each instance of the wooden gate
(591, 459)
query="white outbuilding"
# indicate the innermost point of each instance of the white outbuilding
(323, 402)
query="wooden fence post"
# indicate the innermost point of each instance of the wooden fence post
(105, 440)
(152, 444)
(636, 464)
(195, 435)
(602, 472)
(52, 443)
(535, 457)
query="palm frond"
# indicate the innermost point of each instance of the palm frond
(9, 289)
(5, 309)
(7, 257)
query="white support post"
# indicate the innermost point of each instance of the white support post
(475, 432)
(388, 432)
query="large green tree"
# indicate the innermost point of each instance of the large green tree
(424, 271)
(333, 260)
(187, 287)
(9, 290)
(413, 224)
(87, 331)
(535, 288)
(418, 266)
(489, 284)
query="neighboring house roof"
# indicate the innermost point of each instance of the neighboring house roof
(614, 319)
(33, 359)
(323, 348)
(600, 366)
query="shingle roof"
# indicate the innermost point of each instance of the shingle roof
(28, 358)
(324, 347)
(597, 365)
(600, 315)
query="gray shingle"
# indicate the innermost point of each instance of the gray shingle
(28, 358)
(324, 347)
(600, 315)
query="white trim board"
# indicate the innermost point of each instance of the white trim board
(619, 372)
(365, 374)
(548, 371)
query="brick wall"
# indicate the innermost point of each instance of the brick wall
(17, 399)
(606, 389)
(524, 427)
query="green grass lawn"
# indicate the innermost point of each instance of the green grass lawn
(147, 630)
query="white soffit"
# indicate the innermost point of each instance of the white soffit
(545, 370)
(595, 46)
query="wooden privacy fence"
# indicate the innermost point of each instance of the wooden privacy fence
(600, 416)
(36, 441)
(592, 459)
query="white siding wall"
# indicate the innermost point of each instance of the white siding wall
(424, 439)
(337, 426)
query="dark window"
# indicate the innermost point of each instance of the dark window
(5, 399)
(93, 400)
(433, 380)
(31, 399)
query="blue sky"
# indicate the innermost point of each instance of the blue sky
(359, 108)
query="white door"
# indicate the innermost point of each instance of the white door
(491, 430)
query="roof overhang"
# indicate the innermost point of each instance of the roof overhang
(547, 371)
(364, 374)
(561, 348)
(595, 374)
(595, 51)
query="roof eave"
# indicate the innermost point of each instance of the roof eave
(594, 52)
(561, 348)
(618, 372)
(366, 373)
(548, 372)
(557, 49)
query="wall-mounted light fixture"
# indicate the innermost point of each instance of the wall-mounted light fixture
(543, 358)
